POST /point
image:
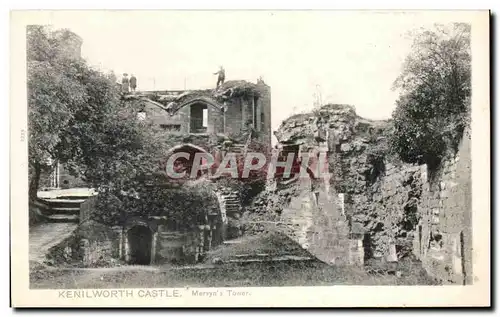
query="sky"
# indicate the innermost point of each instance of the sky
(346, 57)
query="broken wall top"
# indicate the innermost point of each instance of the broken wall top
(341, 119)
(172, 101)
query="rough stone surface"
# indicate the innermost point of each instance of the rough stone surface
(392, 210)
(90, 245)
(43, 237)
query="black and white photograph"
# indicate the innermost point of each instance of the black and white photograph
(216, 157)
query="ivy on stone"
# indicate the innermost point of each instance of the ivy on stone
(434, 103)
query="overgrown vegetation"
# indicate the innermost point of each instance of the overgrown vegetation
(184, 207)
(434, 103)
(77, 117)
(235, 89)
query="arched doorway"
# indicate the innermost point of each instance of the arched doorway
(185, 164)
(140, 241)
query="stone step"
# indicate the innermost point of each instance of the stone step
(67, 200)
(63, 218)
(271, 259)
(261, 255)
(63, 211)
(170, 234)
(229, 242)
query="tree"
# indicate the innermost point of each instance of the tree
(53, 92)
(77, 117)
(434, 102)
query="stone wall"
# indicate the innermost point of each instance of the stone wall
(311, 218)
(408, 210)
(392, 210)
(91, 245)
(445, 246)
(159, 116)
(234, 117)
(319, 226)
(168, 242)
(243, 102)
(264, 107)
(99, 244)
(328, 213)
(310, 210)
(390, 214)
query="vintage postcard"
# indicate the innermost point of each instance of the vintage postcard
(250, 158)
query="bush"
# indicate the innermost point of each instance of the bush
(434, 103)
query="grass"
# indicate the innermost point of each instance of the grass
(273, 243)
(261, 274)
(255, 274)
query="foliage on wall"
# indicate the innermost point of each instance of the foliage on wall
(434, 103)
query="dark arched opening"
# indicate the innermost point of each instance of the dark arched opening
(140, 240)
(184, 165)
(198, 118)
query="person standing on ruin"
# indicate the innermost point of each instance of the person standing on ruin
(133, 83)
(125, 83)
(221, 77)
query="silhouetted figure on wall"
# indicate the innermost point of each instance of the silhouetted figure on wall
(133, 83)
(125, 83)
(221, 77)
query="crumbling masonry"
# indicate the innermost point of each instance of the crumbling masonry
(372, 209)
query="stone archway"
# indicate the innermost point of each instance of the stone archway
(140, 240)
(197, 99)
(186, 164)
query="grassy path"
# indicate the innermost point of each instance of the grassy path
(46, 235)
(279, 274)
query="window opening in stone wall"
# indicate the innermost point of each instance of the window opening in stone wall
(420, 240)
(255, 114)
(171, 127)
(205, 118)
(367, 246)
(262, 124)
(316, 196)
(199, 118)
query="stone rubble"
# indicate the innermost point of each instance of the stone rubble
(394, 210)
